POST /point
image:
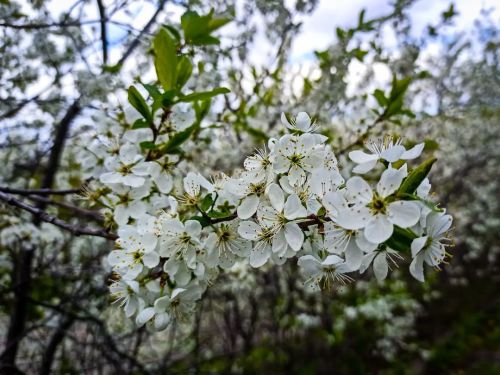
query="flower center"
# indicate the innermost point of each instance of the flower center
(257, 189)
(295, 159)
(378, 205)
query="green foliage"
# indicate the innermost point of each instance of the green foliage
(165, 50)
(198, 29)
(173, 144)
(203, 95)
(416, 176)
(393, 104)
(137, 101)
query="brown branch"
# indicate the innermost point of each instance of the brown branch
(362, 137)
(5, 189)
(104, 37)
(43, 216)
(94, 215)
(145, 30)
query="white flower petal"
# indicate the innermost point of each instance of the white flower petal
(380, 266)
(360, 157)
(417, 244)
(151, 259)
(365, 167)
(193, 228)
(249, 230)
(403, 213)
(248, 206)
(309, 265)
(294, 236)
(259, 257)
(276, 197)
(390, 181)
(144, 316)
(358, 190)
(293, 208)
(302, 121)
(392, 154)
(355, 217)
(379, 229)
(414, 152)
(417, 268)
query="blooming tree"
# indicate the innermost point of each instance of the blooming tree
(177, 229)
(181, 219)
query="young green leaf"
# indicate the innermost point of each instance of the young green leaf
(184, 71)
(165, 59)
(137, 101)
(203, 95)
(206, 203)
(416, 176)
(172, 146)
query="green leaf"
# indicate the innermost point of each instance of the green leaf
(152, 90)
(203, 95)
(137, 101)
(197, 29)
(359, 54)
(206, 203)
(380, 97)
(184, 71)
(140, 123)
(148, 145)
(201, 108)
(416, 176)
(217, 23)
(167, 98)
(204, 221)
(172, 146)
(340, 33)
(401, 239)
(218, 214)
(164, 46)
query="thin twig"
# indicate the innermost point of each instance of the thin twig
(44, 216)
(5, 189)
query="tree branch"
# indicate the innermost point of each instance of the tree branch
(5, 189)
(43, 216)
(104, 37)
(145, 30)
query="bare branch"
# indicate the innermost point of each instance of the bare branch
(44, 216)
(104, 38)
(144, 31)
(5, 189)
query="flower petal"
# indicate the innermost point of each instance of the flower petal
(260, 256)
(380, 266)
(379, 229)
(417, 244)
(294, 208)
(294, 236)
(417, 268)
(365, 167)
(403, 213)
(249, 230)
(248, 206)
(413, 152)
(276, 197)
(393, 153)
(355, 217)
(390, 181)
(360, 157)
(144, 316)
(358, 190)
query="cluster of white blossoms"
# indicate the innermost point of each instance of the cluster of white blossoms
(290, 201)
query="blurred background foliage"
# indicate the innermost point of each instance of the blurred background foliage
(62, 75)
